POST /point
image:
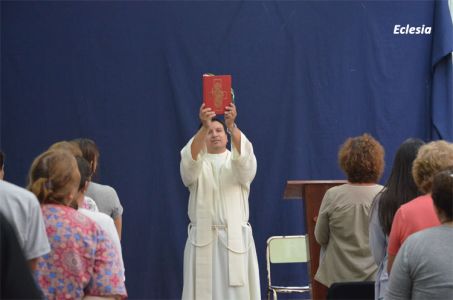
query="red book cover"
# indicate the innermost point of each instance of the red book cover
(217, 92)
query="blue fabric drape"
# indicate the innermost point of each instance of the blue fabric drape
(307, 75)
(442, 78)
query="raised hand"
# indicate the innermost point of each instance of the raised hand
(230, 115)
(206, 114)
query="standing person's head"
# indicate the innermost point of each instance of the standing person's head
(2, 165)
(216, 139)
(89, 151)
(442, 194)
(362, 159)
(54, 177)
(431, 158)
(400, 187)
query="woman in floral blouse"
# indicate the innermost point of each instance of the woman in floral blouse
(83, 261)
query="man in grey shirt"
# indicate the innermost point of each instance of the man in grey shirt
(105, 196)
(21, 208)
(107, 202)
(423, 268)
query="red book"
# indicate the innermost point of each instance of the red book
(217, 92)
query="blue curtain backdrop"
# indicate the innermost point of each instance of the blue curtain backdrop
(307, 75)
(442, 68)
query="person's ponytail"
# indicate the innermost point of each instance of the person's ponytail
(54, 177)
(41, 189)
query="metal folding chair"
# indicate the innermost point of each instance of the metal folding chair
(287, 250)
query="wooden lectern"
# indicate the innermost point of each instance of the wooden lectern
(312, 192)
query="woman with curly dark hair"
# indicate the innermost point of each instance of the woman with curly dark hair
(342, 224)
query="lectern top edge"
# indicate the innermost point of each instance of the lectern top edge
(314, 181)
(295, 188)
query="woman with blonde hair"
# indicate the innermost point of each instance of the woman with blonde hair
(82, 260)
(419, 213)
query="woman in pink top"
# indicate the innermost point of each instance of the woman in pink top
(82, 260)
(419, 213)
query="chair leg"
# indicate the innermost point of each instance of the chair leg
(274, 294)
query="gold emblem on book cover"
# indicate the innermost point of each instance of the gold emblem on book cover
(218, 93)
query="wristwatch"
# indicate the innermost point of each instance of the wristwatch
(230, 132)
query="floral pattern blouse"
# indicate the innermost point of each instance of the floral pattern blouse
(83, 260)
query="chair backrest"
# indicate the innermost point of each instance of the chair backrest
(286, 249)
(363, 290)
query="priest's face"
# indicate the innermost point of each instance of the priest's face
(216, 139)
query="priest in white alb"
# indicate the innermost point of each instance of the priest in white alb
(220, 259)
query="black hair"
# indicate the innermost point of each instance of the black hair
(90, 150)
(216, 120)
(2, 159)
(84, 170)
(442, 193)
(400, 187)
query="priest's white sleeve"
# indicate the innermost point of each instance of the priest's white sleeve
(244, 164)
(189, 168)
